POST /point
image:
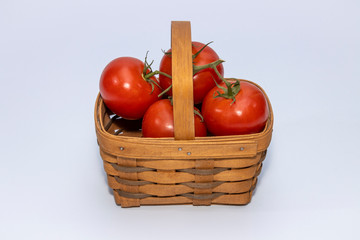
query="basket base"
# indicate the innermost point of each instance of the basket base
(187, 199)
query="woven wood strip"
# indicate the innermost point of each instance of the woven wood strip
(248, 160)
(236, 174)
(172, 177)
(165, 200)
(234, 187)
(202, 172)
(131, 169)
(167, 164)
(165, 190)
(216, 198)
(203, 196)
(170, 164)
(132, 195)
(131, 182)
(238, 162)
(233, 199)
(130, 176)
(258, 171)
(204, 167)
(166, 177)
(114, 169)
(172, 190)
(108, 157)
(188, 195)
(203, 185)
(196, 150)
(110, 122)
(230, 199)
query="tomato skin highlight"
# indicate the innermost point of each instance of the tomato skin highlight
(124, 90)
(248, 114)
(203, 80)
(158, 121)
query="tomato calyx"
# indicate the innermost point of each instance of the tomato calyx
(231, 89)
(148, 73)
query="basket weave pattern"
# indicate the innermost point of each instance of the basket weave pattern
(166, 171)
(200, 171)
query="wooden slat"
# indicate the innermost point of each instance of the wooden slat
(233, 199)
(238, 162)
(172, 177)
(165, 200)
(166, 177)
(165, 190)
(203, 164)
(170, 150)
(236, 174)
(182, 81)
(172, 190)
(230, 199)
(129, 202)
(234, 187)
(167, 164)
(108, 157)
(109, 169)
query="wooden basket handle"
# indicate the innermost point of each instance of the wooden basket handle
(182, 80)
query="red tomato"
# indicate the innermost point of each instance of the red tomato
(203, 80)
(158, 121)
(248, 114)
(124, 90)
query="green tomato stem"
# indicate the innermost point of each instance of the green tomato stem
(198, 52)
(165, 91)
(213, 65)
(231, 90)
(151, 74)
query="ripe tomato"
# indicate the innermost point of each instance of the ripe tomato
(158, 121)
(248, 114)
(124, 90)
(203, 80)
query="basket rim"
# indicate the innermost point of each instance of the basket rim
(254, 136)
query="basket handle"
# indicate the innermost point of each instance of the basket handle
(182, 80)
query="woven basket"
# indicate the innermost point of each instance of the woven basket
(181, 170)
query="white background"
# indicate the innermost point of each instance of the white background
(305, 54)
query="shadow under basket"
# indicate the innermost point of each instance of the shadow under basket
(160, 171)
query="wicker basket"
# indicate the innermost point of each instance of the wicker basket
(181, 170)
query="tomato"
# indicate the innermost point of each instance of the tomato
(158, 121)
(203, 80)
(248, 114)
(124, 90)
